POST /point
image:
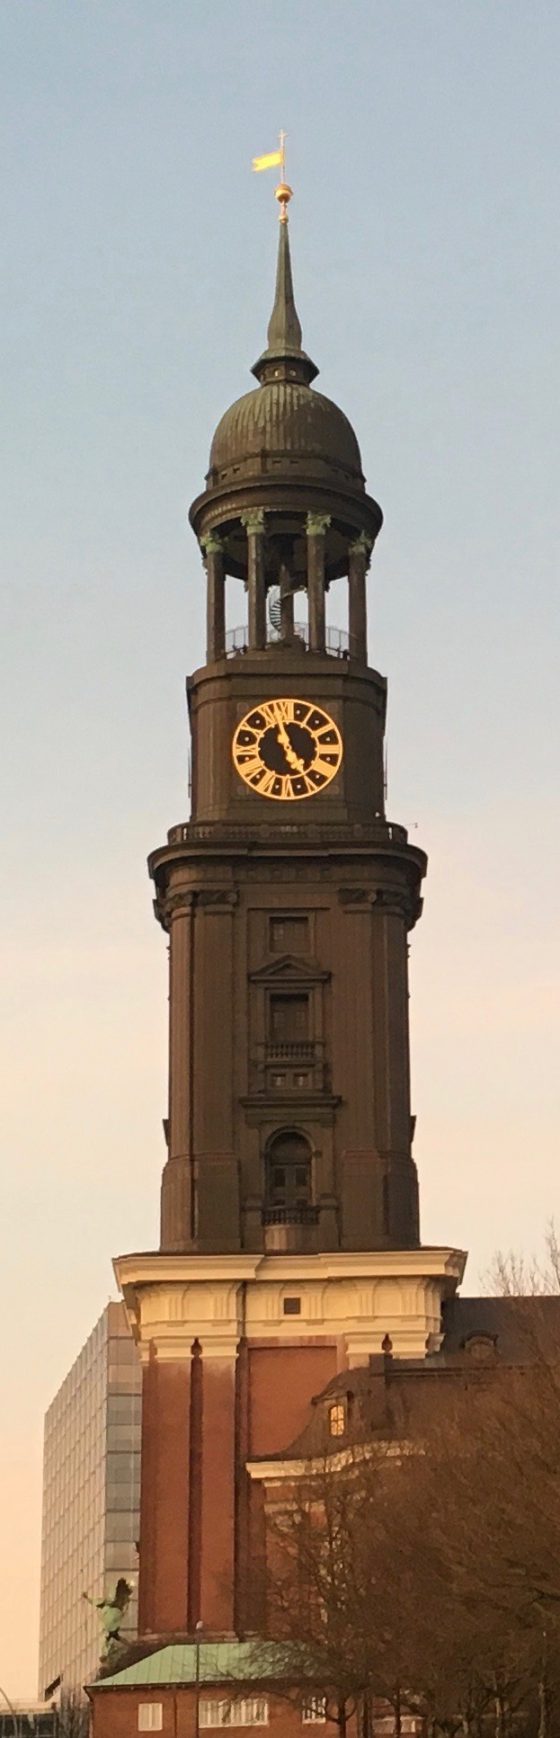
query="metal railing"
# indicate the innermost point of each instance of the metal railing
(337, 643)
(375, 833)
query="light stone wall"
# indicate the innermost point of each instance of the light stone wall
(354, 1300)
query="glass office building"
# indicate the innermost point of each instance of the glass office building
(91, 1497)
(30, 1720)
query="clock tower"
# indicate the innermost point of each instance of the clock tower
(290, 1241)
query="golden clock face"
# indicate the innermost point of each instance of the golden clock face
(287, 749)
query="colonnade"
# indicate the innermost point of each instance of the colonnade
(316, 527)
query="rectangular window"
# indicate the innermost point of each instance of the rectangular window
(289, 1018)
(123, 1525)
(289, 934)
(123, 1436)
(314, 1711)
(292, 1306)
(150, 1717)
(247, 1711)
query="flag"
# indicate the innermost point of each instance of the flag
(269, 162)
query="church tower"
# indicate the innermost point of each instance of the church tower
(290, 1241)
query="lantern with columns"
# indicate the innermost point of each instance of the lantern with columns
(285, 505)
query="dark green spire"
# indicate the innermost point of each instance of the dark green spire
(284, 329)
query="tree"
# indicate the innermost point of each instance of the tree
(426, 1571)
(73, 1716)
(518, 1276)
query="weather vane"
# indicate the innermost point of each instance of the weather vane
(272, 160)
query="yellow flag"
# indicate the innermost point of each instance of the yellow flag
(269, 162)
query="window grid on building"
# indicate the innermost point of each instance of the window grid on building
(239, 1711)
(150, 1717)
(337, 1419)
(314, 1711)
(90, 1498)
(289, 934)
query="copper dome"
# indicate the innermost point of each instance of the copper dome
(284, 419)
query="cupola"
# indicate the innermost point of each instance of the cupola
(285, 505)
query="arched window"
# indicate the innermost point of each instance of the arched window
(337, 1419)
(288, 1171)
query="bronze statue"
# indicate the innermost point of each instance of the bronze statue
(111, 1615)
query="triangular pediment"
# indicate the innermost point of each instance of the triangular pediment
(289, 969)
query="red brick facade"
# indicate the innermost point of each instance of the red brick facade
(116, 1712)
(201, 1517)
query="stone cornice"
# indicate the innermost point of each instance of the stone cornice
(351, 1300)
(435, 1261)
(281, 1471)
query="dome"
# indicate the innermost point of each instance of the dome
(284, 426)
(288, 419)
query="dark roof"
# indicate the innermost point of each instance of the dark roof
(519, 1326)
(285, 419)
(383, 1398)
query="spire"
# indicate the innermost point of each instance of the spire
(284, 329)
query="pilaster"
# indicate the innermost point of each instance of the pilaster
(177, 1182)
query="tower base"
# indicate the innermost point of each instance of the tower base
(235, 1348)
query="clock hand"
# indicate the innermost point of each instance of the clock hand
(292, 758)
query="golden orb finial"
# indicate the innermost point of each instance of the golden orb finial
(283, 194)
(277, 160)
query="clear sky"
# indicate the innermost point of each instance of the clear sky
(138, 274)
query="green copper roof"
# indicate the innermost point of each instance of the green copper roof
(220, 1662)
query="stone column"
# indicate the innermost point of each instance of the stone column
(317, 525)
(254, 526)
(176, 1188)
(213, 557)
(359, 554)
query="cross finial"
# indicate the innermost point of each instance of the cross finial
(277, 159)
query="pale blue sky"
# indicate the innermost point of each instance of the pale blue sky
(139, 262)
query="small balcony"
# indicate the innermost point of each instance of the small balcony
(290, 1065)
(290, 1230)
(299, 1052)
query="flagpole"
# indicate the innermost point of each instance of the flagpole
(270, 160)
